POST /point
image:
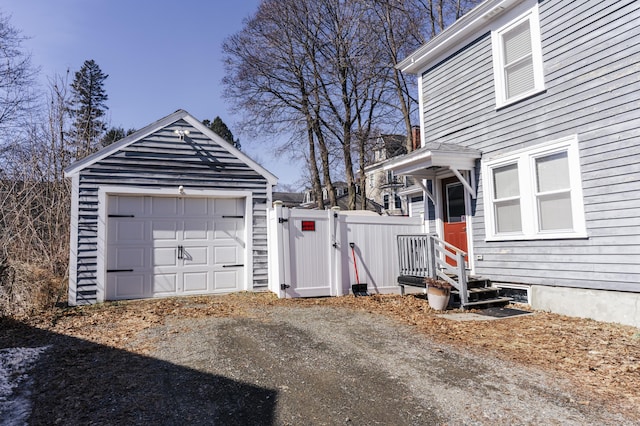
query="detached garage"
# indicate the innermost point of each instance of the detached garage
(172, 209)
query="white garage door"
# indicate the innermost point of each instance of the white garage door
(166, 246)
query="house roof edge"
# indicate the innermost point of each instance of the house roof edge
(478, 17)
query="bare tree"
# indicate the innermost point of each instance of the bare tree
(17, 77)
(310, 64)
(34, 208)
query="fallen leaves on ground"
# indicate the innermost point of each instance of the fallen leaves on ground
(602, 359)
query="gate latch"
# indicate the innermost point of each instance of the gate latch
(284, 286)
(282, 220)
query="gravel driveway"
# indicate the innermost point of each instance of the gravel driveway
(287, 365)
(333, 366)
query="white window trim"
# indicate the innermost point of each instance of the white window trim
(536, 50)
(528, 206)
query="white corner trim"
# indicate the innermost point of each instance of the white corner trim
(248, 238)
(73, 241)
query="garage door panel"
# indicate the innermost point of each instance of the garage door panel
(127, 205)
(229, 229)
(196, 229)
(228, 206)
(127, 231)
(196, 207)
(196, 256)
(165, 284)
(128, 285)
(226, 255)
(164, 206)
(227, 280)
(129, 258)
(195, 282)
(164, 230)
(165, 256)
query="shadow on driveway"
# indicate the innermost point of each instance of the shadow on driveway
(78, 382)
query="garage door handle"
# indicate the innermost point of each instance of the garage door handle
(180, 252)
(233, 266)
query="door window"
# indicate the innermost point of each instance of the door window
(454, 206)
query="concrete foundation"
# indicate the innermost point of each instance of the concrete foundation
(609, 306)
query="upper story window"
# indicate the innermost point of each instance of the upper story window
(517, 59)
(535, 194)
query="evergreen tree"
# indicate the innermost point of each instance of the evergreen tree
(114, 134)
(88, 108)
(220, 128)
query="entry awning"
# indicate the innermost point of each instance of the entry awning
(424, 162)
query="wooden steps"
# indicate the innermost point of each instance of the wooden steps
(480, 292)
(480, 295)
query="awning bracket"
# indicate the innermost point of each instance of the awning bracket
(471, 189)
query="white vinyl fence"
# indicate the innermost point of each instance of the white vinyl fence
(310, 253)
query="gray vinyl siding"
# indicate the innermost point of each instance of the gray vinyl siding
(591, 55)
(160, 160)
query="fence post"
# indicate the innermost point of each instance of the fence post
(462, 279)
(335, 246)
(431, 257)
(281, 249)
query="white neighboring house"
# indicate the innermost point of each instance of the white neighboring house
(398, 195)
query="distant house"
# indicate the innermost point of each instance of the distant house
(290, 199)
(398, 195)
(530, 154)
(170, 210)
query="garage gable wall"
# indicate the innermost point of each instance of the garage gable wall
(176, 155)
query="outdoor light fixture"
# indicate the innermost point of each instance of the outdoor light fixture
(181, 133)
(181, 190)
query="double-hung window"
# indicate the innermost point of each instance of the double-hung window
(517, 59)
(535, 193)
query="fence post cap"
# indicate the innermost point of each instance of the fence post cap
(278, 203)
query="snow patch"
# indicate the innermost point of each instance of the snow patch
(15, 363)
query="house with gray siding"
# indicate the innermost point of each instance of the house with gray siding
(172, 209)
(530, 157)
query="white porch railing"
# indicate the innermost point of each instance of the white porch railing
(426, 255)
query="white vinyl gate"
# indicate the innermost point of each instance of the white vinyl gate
(310, 253)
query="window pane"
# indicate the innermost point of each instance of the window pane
(517, 43)
(508, 216)
(554, 212)
(519, 77)
(505, 181)
(552, 172)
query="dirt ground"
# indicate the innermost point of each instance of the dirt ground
(253, 359)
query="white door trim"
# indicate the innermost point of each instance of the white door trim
(468, 216)
(105, 191)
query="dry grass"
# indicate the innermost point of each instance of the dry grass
(601, 359)
(27, 289)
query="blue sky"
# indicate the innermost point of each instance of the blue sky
(160, 56)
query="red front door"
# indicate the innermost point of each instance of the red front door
(454, 217)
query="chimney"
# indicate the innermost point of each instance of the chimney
(415, 137)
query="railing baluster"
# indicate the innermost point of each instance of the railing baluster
(426, 255)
